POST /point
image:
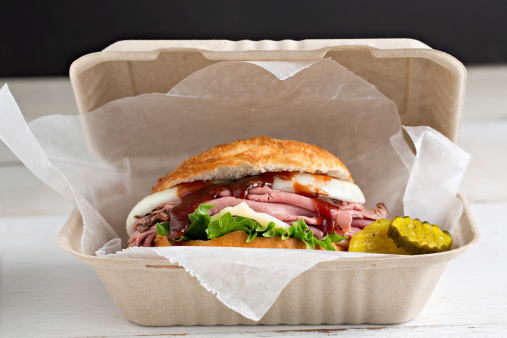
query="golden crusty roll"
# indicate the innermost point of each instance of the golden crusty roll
(238, 239)
(254, 156)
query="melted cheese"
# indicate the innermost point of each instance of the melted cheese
(331, 187)
(244, 210)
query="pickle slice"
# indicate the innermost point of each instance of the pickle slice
(419, 237)
(373, 239)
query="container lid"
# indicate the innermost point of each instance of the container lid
(427, 86)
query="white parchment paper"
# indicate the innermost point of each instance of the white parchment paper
(107, 160)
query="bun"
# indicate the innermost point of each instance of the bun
(257, 155)
(238, 239)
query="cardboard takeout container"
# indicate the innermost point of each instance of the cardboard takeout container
(428, 88)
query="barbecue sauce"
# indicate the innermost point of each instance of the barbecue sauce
(311, 190)
(185, 189)
(195, 193)
(327, 213)
(327, 210)
(178, 216)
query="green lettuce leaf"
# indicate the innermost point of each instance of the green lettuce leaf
(203, 228)
(163, 229)
(300, 230)
(334, 237)
(270, 230)
(227, 223)
(199, 221)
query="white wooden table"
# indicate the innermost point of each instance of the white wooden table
(47, 292)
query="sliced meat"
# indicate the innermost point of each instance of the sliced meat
(351, 206)
(142, 224)
(347, 217)
(364, 217)
(138, 238)
(160, 214)
(361, 222)
(260, 190)
(343, 221)
(277, 196)
(353, 230)
(294, 218)
(380, 212)
(317, 233)
(354, 213)
(224, 193)
(148, 240)
(268, 208)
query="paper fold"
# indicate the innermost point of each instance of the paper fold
(107, 160)
(267, 271)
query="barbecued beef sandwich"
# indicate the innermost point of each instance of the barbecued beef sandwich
(260, 192)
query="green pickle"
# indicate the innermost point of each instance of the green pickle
(373, 239)
(419, 237)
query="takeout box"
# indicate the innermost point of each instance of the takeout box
(428, 88)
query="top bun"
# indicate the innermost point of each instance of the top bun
(232, 161)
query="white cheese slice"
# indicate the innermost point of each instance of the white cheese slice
(333, 188)
(244, 210)
(149, 203)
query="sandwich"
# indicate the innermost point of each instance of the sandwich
(259, 193)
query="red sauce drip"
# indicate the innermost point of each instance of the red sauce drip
(327, 213)
(312, 189)
(178, 216)
(195, 193)
(240, 188)
(188, 188)
(327, 210)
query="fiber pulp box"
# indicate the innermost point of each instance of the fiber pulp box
(428, 88)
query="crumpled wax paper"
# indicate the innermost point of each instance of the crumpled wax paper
(107, 160)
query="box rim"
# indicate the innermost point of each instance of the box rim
(63, 242)
(381, 43)
(138, 50)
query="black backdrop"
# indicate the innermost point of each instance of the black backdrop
(42, 38)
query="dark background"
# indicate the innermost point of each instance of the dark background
(42, 38)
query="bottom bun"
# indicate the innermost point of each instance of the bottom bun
(238, 239)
